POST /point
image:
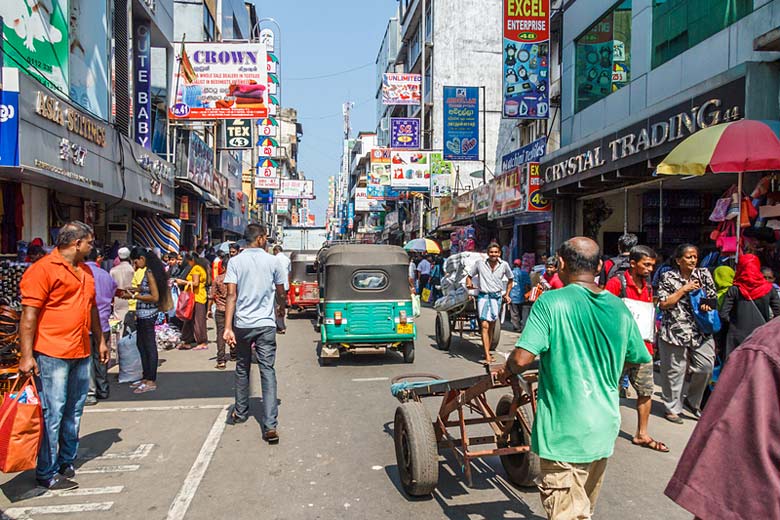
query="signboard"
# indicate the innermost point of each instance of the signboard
(220, 81)
(238, 134)
(536, 202)
(9, 118)
(530, 153)
(410, 171)
(379, 176)
(200, 162)
(267, 182)
(36, 39)
(405, 132)
(446, 211)
(296, 189)
(525, 69)
(442, 176)
(363, 203)
(142, 84)
(401, 89)
(464, 205)
(481, 199)
(507, 195)
(511, 190)
(461, 123)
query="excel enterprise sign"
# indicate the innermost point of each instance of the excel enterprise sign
(650, 138)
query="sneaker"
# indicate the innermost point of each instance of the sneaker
(67, 470)
(57, 483)
(91, 401)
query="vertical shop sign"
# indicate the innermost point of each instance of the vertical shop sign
(461, 123)
(142, 83)
(9, 118)
(405, 132)
(525, 68)
(184, 208)
(442, 176)
(536, 202)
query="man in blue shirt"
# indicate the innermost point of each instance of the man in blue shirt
(255, 283)
(517, 295)
(105, 288)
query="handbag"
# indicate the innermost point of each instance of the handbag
(21, 420)
(707, 321)
(748, 213)
(185, 307)
(721, 208)
(727, 238)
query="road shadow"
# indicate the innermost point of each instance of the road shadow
(389, 357)
(180, 385)
(23, 485)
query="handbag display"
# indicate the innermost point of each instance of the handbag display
(720, 212)
(185, 307)
(21, 420)
(726, 240)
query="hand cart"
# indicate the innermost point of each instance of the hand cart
(460, 319)
(418, 440)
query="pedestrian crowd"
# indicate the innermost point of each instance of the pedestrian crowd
(71, 296)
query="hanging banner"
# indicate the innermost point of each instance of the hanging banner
(379, 176)
(481, 199)
(461, 123)
(238, 134)
(446, 211)
(216, 80)
(526, 59)
(442, 176)
(410, 171)
(200, 162)
(405, 132)
(36, 39)
(536, 202)
(296, 189)
(464, 206)
(508, 198)
(401, 89)
(184, 208)
(9, 118)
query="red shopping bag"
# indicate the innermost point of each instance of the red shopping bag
(20, 428)
(186, 305)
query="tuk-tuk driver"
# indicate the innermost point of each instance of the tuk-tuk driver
(492, 294)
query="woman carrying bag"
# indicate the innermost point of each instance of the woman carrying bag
(194, 330)
(748, 304)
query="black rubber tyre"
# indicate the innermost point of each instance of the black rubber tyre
(408, 351)
(522, 469)
(496, 334)
(443, 332)
(415, 449)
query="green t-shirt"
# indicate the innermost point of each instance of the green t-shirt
(582, 339)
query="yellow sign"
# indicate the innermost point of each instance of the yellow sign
(405, 328)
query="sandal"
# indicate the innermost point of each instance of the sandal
(220, 365)
(673, 417)
(136, 384)
(142, 389)
(489, 360)
(652, 444)
(202, 346)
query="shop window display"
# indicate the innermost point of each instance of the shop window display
(678, 25)
(603, 56)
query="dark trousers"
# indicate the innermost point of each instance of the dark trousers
(264, 341)
(424, 281)
(194, 330)
(146, 341)
(516, 315)
(219, 318)
(98, 374)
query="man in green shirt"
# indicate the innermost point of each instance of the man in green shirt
(583, 337)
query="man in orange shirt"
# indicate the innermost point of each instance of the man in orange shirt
(58, 312)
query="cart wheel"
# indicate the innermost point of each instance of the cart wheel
(415, 449)
(443, 331)
(408, 352)
(522, 468)
(496, 334)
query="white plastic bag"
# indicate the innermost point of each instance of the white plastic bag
(416, 305)
(130, 368)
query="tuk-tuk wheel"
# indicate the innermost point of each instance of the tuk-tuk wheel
(415, 449)
(443, 331)
(408, 350)
(523, 468)
(496, 334)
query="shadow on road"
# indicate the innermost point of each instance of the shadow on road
(180, 385)
(389, 357)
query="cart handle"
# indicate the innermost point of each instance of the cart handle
(404, 377)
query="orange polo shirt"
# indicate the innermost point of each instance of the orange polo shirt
(65, 299)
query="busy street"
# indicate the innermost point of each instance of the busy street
(335, 458)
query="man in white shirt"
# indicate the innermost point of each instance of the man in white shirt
(284, 261)
(254, 279)
(412, 275)
(424, 272)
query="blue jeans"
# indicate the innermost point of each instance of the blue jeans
(264, 341)
(63, 386)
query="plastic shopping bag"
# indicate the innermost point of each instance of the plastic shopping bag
(426, 295)
(130, 368)
(416, 305)
(21, 420)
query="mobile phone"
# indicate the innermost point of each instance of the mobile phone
(712, 303)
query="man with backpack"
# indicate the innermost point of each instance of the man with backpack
(634, 284)
(621, 263)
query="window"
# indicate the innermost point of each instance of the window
(414, 47)
(678, 25)
(369, 280)
(208, 24)
(603, 57)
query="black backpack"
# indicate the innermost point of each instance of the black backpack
(624, 284)
(620, 264)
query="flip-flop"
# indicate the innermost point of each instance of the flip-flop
(674, 418)
(652, 444)
(144, 388)
(136, 384)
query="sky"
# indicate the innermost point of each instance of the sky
(340, 40)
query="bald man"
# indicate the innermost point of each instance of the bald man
(583, 337)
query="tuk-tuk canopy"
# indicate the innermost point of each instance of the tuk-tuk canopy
(365, 272)
(302, 266)
(364, 255)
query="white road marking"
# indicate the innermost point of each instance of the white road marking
(188, 489)
(26, 513)
(79, 492)
(139, 453)
(369, 379)
(108, 469)
(157, 408)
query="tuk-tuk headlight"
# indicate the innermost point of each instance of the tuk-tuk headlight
(403, 317)
(297, 289)
(337, 317)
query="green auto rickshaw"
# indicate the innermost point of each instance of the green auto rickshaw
(365, 301)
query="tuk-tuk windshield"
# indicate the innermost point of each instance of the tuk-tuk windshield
(369, 280)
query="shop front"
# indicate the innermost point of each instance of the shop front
(608, 186)
(68, 165)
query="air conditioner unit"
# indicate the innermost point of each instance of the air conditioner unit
(118, 227)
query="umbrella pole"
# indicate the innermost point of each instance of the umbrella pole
(739, 216)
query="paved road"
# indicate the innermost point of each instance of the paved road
(170, 455)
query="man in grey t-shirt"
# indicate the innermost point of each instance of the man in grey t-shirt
(255, 284)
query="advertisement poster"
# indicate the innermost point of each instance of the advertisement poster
(481, 199)
(36, 39)
(9, 118)
(442, 176)
(363, 203)
(525, 69)
(200, 162)
(89, 56)
(508, 198)
(410, 171)
(405, 132)
(379, 176)
(401, 89)
(296, 189)
(461, 123)
(219, 81)
(464, 205)
(536, 202)
(446, 211)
